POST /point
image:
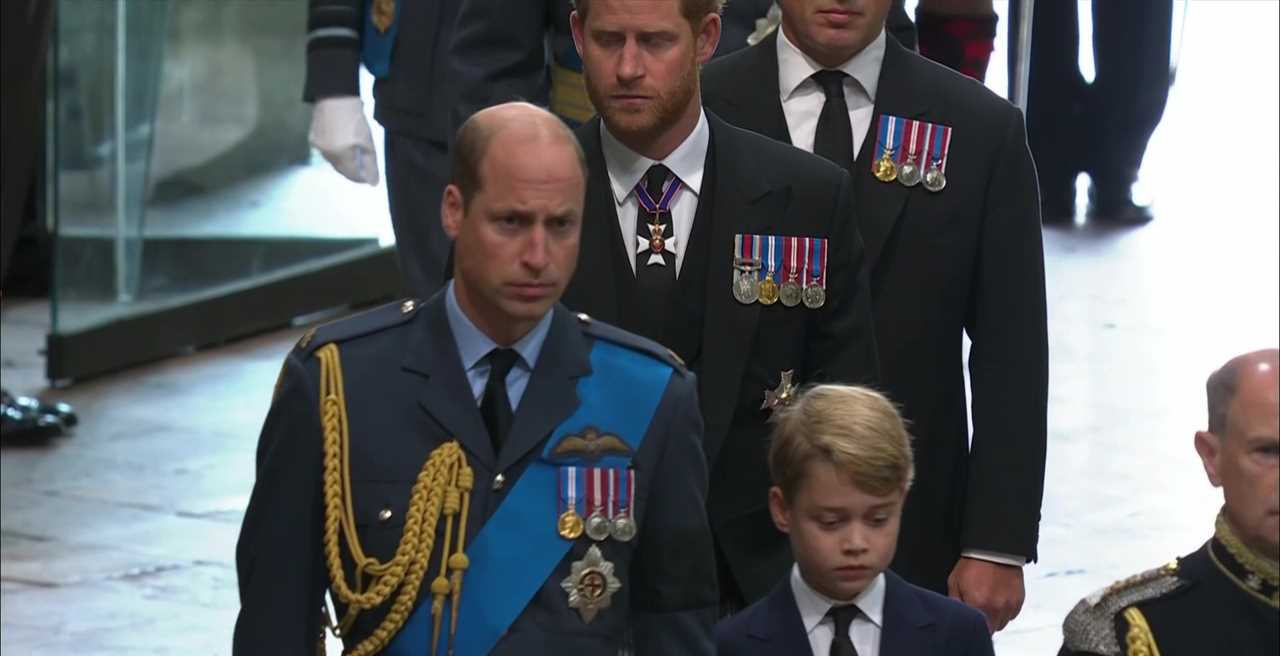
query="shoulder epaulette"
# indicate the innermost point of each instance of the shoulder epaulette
(602, 330)
(1091, 625)
(356, 325)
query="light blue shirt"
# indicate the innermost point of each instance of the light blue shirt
(474, 346)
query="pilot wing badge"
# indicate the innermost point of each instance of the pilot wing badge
(590, 445)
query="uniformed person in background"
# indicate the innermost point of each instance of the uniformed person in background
(404, 44)
(484, 472)
(1222, 598)
(945, 198)
(739, 253)
(524, 51)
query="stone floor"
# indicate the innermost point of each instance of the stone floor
(119, 539)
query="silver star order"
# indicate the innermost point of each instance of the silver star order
(591, 584)
(782, 395)
(656, 258)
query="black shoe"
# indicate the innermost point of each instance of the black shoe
(1117, 207)
(64, 412)
(20, 425)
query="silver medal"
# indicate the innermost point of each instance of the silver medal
(597, 526)
(746, 287)
(909, 173)
(791, 294)
(934, 180)
(623, 529)
(815, 296)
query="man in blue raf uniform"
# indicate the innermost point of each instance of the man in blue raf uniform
(1223, 598)
(404, 44)
(945, 195)
(484, 472)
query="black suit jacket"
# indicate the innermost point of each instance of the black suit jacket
(966, 260)
(916, 622)
(406, 394)
(417, 94)
(760, 187)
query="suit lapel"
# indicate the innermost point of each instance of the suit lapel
(880, 204)
(446, 394)
(604, 275)
(907, 625)
(552, 394)
(760, 99)
(746, 202)
(778, 622)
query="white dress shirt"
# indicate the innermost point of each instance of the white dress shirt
(627, 168)
(802, 97)
(866, 627)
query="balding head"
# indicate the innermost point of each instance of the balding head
(1241, 449)
(1251, 371)
(516, 125)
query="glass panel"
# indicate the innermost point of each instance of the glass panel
(182, 168)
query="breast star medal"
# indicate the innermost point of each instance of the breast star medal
(591, 584)
(782, 395)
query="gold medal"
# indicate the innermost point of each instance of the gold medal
(885, 169)
(591, 584)
(783, 394)
(768, 291)
(570, 525)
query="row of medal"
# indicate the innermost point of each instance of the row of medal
(912, 152)
(598, 502)
(772, 269)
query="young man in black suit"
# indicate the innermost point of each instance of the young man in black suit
(738, 253)
(841, 465)
(945, 195)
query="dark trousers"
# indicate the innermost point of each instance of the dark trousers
(26, 26)
(1100, 128)
(417, 172)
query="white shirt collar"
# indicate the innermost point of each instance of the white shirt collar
(627, 167)
(814, 605)
(795, 67)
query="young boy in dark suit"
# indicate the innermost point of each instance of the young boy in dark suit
(841, 464)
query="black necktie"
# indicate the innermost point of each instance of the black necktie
(654, 282)
(495, 407)
(842, 644)
(834, 138)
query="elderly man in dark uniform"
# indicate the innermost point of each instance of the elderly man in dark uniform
(484, 472)
(945, 195)
(404, 44)
(1223, 598)
(738, 253)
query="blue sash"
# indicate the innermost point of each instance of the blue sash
(375, 46)
(620, 397)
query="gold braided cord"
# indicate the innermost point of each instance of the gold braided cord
(1267, 570)
(436, 489)
(1139, 640)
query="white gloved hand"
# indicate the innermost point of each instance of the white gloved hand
(341, 133)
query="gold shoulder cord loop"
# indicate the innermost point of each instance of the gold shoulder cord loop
(1139, 641)
(444, 483)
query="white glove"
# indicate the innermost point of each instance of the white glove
(341, 133)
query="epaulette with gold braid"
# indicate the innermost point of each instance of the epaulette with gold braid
(1091, 625)
(443, 486)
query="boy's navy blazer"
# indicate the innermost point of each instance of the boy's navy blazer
(917, 622)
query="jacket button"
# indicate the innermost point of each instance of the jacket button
(499, 482)
(384, 514)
